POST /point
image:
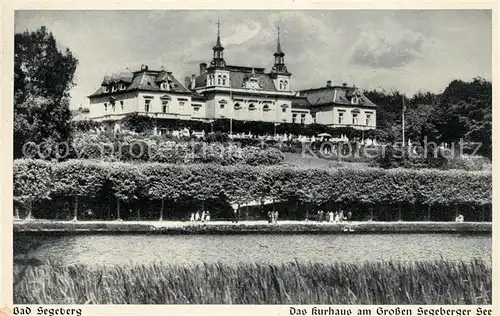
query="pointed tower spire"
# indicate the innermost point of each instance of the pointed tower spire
(218, 44)
(278, 48)
(279, 57)
(218, 60)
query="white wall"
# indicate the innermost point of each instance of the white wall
(97, 108)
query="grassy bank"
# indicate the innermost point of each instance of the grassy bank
(225, 227)
(439, 282)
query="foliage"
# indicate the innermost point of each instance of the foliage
(137, 123)
(248, 183)
(78, 178)
(32, 180)
(463, 110)
(386, 282)
(155, 149)
(124, 181)
(43, 76)
(85, 126)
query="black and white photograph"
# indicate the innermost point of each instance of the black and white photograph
(324, 158)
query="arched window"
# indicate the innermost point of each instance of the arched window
(219, 80)
(284, 85)
(281, 85)
(237, 106)
(265, 108)
(251, 107)
(224, 80)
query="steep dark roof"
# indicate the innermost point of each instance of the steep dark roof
(148, 80)
(238, 75)
(343, 95)
(237, 78)
(197, 97)
(300, 103)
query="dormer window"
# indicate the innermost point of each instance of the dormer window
(163, 86)
(113, 88)
(105, 89)
(355, 100)
(122, 86)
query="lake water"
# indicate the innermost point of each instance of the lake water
(181, 249)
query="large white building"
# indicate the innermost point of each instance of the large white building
(229, 91)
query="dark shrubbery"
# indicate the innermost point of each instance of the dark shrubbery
(418, 157)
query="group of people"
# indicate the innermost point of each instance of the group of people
(332, 217)
(272, 217)
(204, 216)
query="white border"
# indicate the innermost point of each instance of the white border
(7, 18)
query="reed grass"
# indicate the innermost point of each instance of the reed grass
(387, 282)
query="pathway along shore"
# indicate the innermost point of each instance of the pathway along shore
(246, 227)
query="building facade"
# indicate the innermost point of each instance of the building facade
(221, 91)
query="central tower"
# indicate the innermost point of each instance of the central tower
(279, 73)
(218, 59)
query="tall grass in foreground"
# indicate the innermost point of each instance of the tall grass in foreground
(437, 282)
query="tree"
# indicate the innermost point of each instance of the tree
(466, 112)
(43, 76)
(137, 123)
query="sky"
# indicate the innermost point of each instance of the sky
(405, 50)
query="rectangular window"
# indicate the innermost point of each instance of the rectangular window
(302, 119)
(146, 105)
(113, 88)
(294, 118)
(283, 110)
(341, 117)
(121, 104)
(105, 89)
(313, 116)
(355, 119)
(368, 119)
(164, 107)
(105, 107)
(181, 103)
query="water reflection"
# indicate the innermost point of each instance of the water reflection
(122, 249)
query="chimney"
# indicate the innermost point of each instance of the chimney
(187, 82)
(144, 67)
(193, 81)
(344, 84)
(329, 83)
(203, 68)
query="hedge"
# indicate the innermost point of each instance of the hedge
(155, 149)
(36, 180)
